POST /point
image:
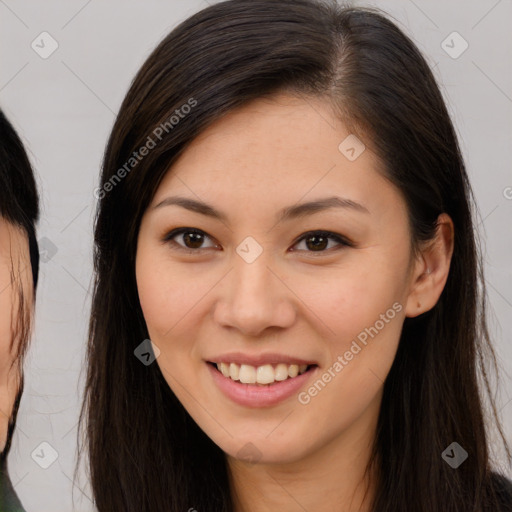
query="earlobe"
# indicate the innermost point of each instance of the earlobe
(431, 270)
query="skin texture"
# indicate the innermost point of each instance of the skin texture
(14, 257)
(293, 299)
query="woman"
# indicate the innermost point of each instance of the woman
(19, 266)
(285, 213)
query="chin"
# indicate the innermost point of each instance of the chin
(259, 449)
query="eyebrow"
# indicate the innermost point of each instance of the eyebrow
(288, 213)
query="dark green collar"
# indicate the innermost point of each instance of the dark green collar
(9, 501)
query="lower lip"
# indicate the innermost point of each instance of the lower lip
(254, 395)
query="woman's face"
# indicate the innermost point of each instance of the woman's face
(14, 260)
(253, 289)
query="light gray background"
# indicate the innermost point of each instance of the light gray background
(64, 106)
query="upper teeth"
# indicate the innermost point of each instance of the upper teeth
(265, 374)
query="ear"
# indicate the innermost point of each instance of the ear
(430, 270)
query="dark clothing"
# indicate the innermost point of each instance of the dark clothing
(9, 502)
(503, 488)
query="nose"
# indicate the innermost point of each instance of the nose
(254, 298)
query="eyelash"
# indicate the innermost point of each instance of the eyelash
(342, 241)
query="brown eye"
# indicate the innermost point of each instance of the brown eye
(317, 241)
(192, 239)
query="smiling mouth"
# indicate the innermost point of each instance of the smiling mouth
(265, 375)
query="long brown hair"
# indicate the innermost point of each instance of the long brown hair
(145, 451)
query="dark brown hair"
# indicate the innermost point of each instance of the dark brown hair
(146, 453)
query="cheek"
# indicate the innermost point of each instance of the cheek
(168, 296)
(345, 303)
(7, 299)
(361, 316)
(10, 319)
(5, 310)
(158, 288)
(158, 305)
(9, 376)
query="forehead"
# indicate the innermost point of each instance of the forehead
(275, 151)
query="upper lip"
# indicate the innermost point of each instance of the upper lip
(259, 359)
